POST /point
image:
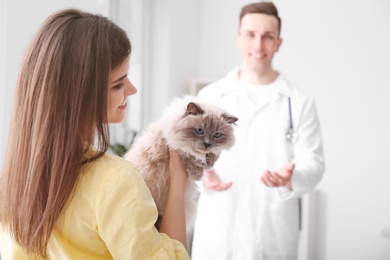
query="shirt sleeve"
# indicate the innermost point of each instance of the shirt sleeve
(126, 214)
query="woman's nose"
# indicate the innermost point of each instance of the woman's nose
(131, 88)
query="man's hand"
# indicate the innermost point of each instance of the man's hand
(212, 181)
(280, 178)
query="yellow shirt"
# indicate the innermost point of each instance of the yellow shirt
(111, 216)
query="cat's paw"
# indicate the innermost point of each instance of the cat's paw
(193, 166)
(211, 158)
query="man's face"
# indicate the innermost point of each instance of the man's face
(258, 40)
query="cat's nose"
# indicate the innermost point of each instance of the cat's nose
(206, 145)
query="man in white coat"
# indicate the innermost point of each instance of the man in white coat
(249, 204)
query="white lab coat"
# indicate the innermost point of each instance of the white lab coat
(250, 220)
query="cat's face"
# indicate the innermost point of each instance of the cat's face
(203, 130)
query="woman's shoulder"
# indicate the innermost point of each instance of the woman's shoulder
(111, 161)
(111, 169)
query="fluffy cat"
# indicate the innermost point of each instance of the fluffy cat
(199, 131)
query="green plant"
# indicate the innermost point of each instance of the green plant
(120, 149)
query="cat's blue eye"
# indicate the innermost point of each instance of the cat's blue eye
(199, 131)
(217, 135)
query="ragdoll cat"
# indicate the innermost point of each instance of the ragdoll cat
(199, 131)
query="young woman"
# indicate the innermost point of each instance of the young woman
(62, 197)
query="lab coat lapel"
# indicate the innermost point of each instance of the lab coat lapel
(253, 109)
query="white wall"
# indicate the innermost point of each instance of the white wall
(3, 121)
(172, 52)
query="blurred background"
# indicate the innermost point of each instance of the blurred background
(337, 51)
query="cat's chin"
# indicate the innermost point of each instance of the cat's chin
(197, 177)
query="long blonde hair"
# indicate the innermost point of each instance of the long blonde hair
(60, 106)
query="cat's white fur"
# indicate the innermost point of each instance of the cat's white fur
(150, 153)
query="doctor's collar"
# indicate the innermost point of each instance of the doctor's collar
(281, 83)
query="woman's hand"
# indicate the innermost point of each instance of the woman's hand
(173, 222)
(177, 172)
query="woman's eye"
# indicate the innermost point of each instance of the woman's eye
(217, 135)
(199, 131)
(119, 86)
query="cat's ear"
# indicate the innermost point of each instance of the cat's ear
(194, 109)
(230, 119)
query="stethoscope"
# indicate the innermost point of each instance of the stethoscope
(291, 135)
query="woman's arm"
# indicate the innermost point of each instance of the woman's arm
(173, 222)
(126, 215)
